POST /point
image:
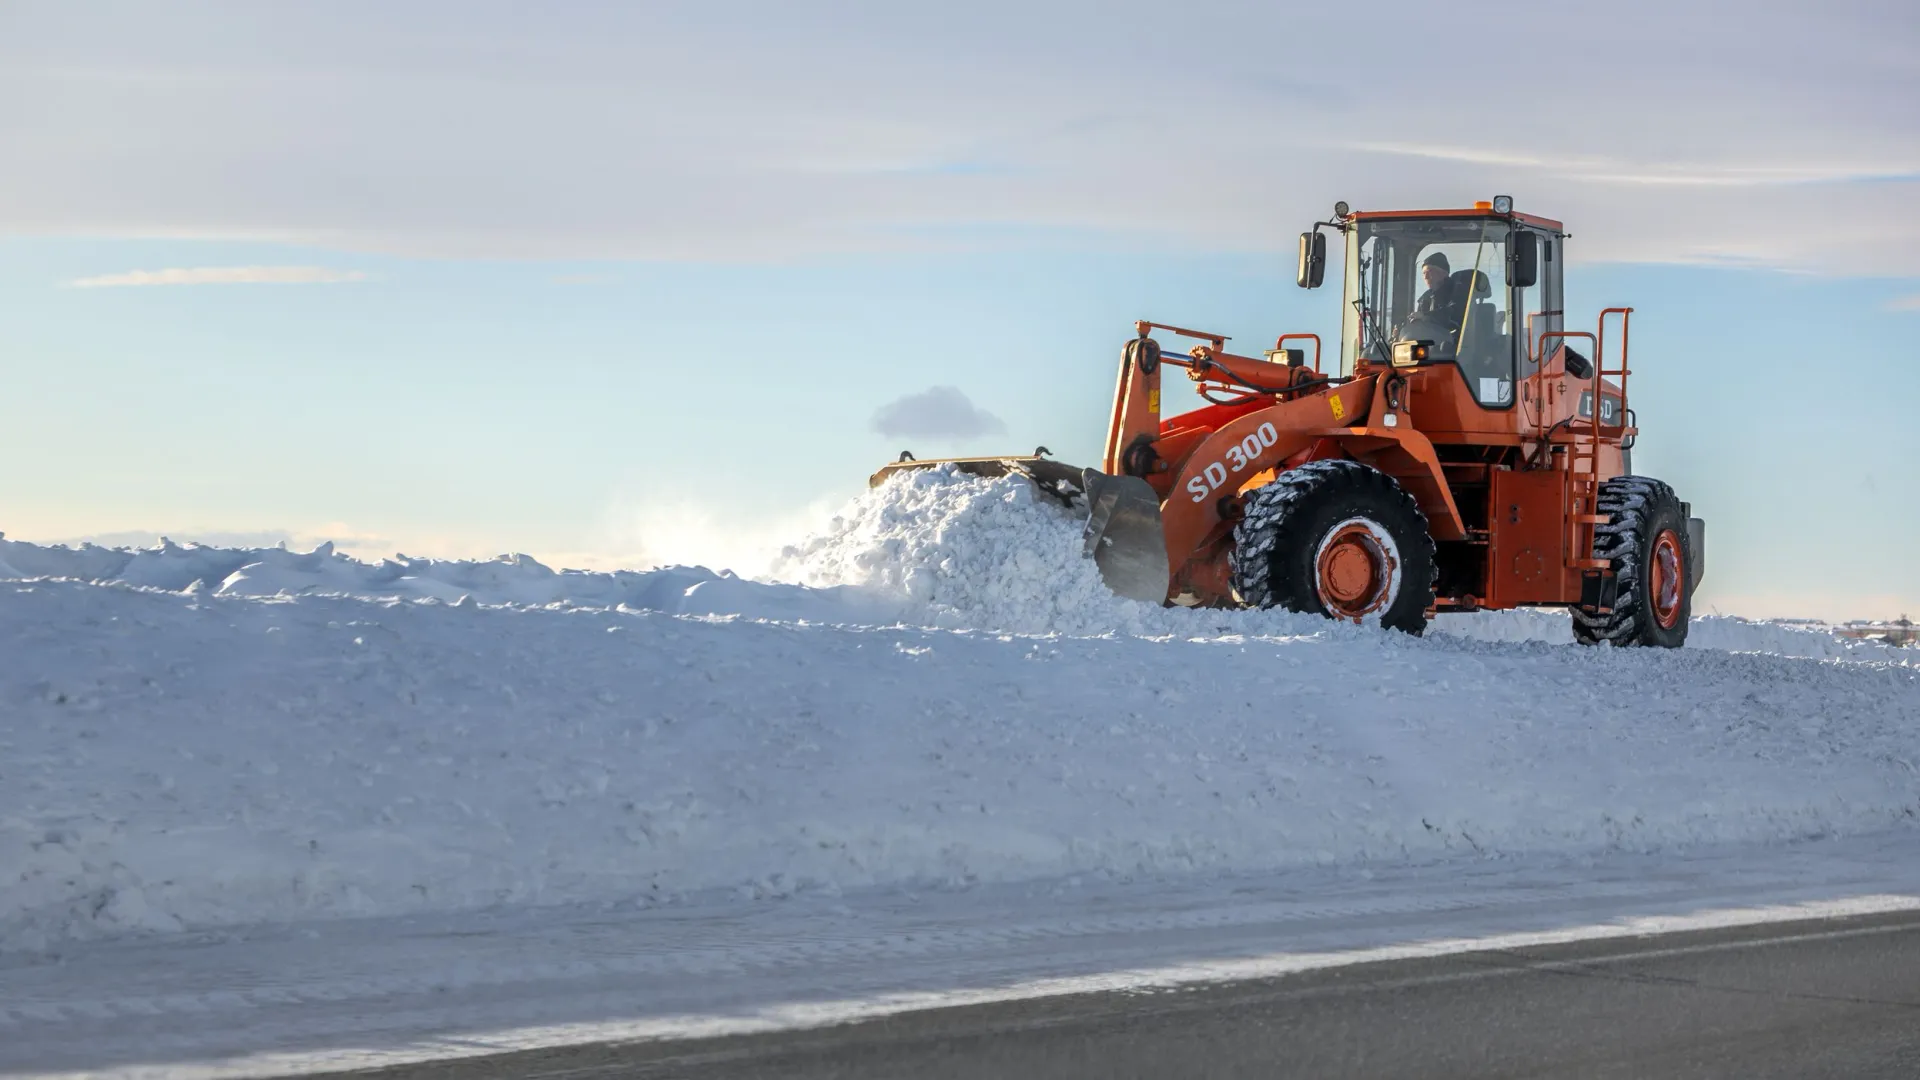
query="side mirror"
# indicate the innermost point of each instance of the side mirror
(1523, 258)
(1313, 259)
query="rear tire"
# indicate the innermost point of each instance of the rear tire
(1339, 539)
(1646, 540)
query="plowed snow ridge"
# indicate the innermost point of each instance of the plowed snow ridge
(196, 738)
(932, 548)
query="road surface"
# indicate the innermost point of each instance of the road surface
(1836, 998)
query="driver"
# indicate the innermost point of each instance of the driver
(1438, 299)
(1436, 315)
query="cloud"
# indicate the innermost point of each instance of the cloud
(221, 275)
(759, 129)
(941, 412)
(1904, 303)
(1629, 171)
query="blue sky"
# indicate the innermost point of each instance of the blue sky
(611, 284)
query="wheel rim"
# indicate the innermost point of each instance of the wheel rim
(1668, 586)
(1357, 569)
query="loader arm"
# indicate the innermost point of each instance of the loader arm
(1135, 424)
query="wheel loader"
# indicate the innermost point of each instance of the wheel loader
(1470, 452)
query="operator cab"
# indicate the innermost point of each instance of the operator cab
(1452, 287)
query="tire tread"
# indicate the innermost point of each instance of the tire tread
(1630, 502)
(1274, 520)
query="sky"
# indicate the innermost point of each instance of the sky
(614, 284)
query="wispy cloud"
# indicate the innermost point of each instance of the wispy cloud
(775, 130)
(1603, 170)
(221, 275)
(1904, 303)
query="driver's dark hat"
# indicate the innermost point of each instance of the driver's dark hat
(1439, 259)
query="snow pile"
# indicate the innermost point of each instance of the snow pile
(992, 554)
(932, 547)
(178, 761)
(1726, 632)
(189, 761)
(196, 737)
(993, 549)
(1735, 634)
(509, 579)
(1550, 625)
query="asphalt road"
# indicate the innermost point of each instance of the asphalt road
(1831, 999)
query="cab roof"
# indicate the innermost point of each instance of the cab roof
(1528, 219)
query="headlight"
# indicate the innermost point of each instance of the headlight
(1503, 204)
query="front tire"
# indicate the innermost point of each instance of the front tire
(1645, 538)
(1339, 539)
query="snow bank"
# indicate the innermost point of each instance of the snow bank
(1552, 626)
(1735, 634)
(1726, 632)
(178, 761)
(275, 571)
(932, 548)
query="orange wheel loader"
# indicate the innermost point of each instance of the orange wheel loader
(1471, 452)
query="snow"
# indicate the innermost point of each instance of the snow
(942, 694)
(933, 548)
(187, 761)
(275, 571)
(1729, 633)
(939, 700)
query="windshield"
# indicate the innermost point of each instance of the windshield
(1438, 280)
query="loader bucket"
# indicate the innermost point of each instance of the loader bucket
(1124, 536)
(1049, 477)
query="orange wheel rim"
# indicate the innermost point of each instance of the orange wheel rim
(1668, 579)
(1355, 569)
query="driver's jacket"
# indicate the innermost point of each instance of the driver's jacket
(1436, 301)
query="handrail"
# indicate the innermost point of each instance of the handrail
(1284, 338)
(1601, 370)
(1582, 489)
(1584, 438)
